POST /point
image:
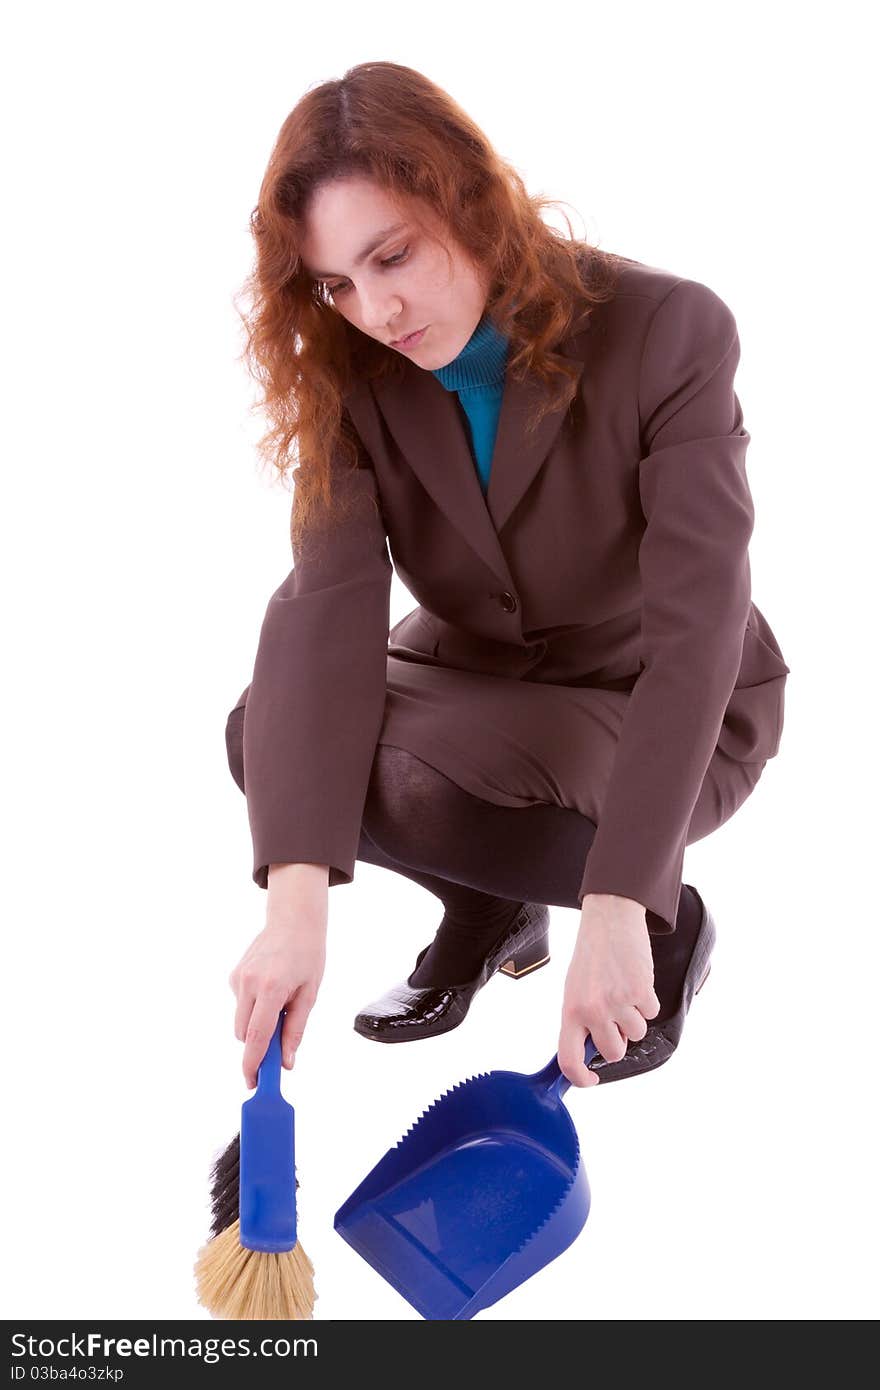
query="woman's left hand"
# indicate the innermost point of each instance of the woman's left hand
(609, 988)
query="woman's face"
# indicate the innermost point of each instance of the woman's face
(387, 277)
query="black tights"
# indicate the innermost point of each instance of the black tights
(483, 861)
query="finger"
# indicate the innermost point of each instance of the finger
(631, 1023)
(608, 1039)
(570, 1053)
(243, 1012)
(649, 1005)
(263, 1022)
(295, 1022)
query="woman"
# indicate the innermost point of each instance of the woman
(556, 462)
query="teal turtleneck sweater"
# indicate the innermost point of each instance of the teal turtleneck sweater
(476, 375)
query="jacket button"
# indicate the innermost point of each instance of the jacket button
(508, 602)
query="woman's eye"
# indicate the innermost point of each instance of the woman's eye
(391, 261)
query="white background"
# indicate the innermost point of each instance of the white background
(141, 542)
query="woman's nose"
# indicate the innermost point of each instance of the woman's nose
(380, 313)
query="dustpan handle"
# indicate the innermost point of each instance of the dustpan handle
(554, 1082)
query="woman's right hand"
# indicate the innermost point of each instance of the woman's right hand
(281, 969)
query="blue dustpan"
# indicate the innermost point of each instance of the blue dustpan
(486, 1188)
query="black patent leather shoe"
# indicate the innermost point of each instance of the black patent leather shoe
(406, 1012)
(661, 1039)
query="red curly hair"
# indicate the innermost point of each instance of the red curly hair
(393, 125)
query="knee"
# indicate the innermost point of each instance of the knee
(235, 744)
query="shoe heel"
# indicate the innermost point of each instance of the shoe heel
(524, 962)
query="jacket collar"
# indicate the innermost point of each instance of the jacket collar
(429, 427)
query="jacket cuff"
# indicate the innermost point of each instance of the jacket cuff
(659, 896)
(341, 865)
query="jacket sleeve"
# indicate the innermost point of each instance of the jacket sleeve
(696, 598)
(315, 705)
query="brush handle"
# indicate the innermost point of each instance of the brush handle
(552, 1081)
(267, 1170)
(269, 1071)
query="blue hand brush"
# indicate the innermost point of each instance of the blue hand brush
(252, 1267)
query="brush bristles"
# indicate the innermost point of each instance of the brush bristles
(240, 1284)
(224, 1187)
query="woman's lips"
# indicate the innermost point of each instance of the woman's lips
(412, 339)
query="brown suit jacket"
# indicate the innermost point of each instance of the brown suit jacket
(611, 551)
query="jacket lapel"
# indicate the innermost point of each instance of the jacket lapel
(431, 430)
(518, 455)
